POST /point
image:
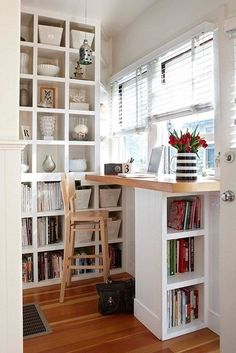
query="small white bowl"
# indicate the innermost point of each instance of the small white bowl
(77, 165)
(48, 69)
(50, 35)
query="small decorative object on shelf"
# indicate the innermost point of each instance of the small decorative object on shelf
(85, 53)
(78, 100)
(48, 164)
(24, 62)
(47, 126)
(79, 72)
(187, 145)
(47, 97)
(24, 97)
(24, 162)
(80, 131)
(77, 165)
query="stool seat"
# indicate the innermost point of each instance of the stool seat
(95, 221)
(87, 216)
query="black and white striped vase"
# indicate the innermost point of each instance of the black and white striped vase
(186, 166)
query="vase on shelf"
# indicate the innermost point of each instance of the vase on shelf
(24, 62)
(186, 166)
(48, 164)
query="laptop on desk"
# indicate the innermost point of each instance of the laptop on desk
(153, 165)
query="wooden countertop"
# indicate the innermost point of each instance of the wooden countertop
(166, 184)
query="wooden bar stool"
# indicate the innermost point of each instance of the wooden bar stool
(73, 219)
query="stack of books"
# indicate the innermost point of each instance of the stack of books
(185, 214)
(182, 306)
(180, 256)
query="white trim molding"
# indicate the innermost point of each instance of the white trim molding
(10, 248)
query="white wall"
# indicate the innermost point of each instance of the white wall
(9, 68)
(10, 244)
(160, 23)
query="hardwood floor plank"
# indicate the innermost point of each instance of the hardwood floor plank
(77, 327)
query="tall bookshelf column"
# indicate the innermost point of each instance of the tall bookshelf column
(10, 248)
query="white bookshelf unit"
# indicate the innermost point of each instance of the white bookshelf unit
(42, 212)
(170, 303)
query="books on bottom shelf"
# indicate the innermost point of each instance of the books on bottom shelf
(185, 214)
(26, 231)
(182, 306)
(49, 265)
(115, 256)
(27, 268)
(48, 230)
(83, 262)
(180, 256)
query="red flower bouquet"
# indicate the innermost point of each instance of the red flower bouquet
(187, 142)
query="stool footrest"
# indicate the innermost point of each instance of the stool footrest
(85, 256)
(86, 267)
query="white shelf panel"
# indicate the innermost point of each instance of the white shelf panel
(50, 78)
(51, 110)
(75, 83)
(185, 277)
(26, 44)
(187, 328)
(82, 143)
(81, 112)
(47, 176)
(26, 76)
(50, 213)
(176, 234)
(51, 247)
(27, 249)
(26, 215)
(50, 47)
(27, 142)
(25, 109)
(185, 282)
(50, 142)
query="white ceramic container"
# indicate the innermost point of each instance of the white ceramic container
(50, 35)
(48, 70)
(77, 165)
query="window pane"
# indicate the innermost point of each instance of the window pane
(205, 123)
(136, 146)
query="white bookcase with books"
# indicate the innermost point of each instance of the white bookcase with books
(171, 264)
(74, 100)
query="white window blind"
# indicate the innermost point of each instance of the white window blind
(129, 102)
(182, 80)
(177, 83)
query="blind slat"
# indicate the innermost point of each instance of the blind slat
(176, 83)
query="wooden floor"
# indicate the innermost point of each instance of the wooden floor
(78, 327)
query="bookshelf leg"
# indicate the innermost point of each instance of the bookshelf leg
(105, 253)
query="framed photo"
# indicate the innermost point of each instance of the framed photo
(47, 97)
(26, 132)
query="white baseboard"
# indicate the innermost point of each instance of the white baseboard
(214, 321)
(147, 318)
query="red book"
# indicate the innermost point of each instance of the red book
(182, 253)
(176, 214)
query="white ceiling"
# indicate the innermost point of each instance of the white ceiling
(113, 14)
